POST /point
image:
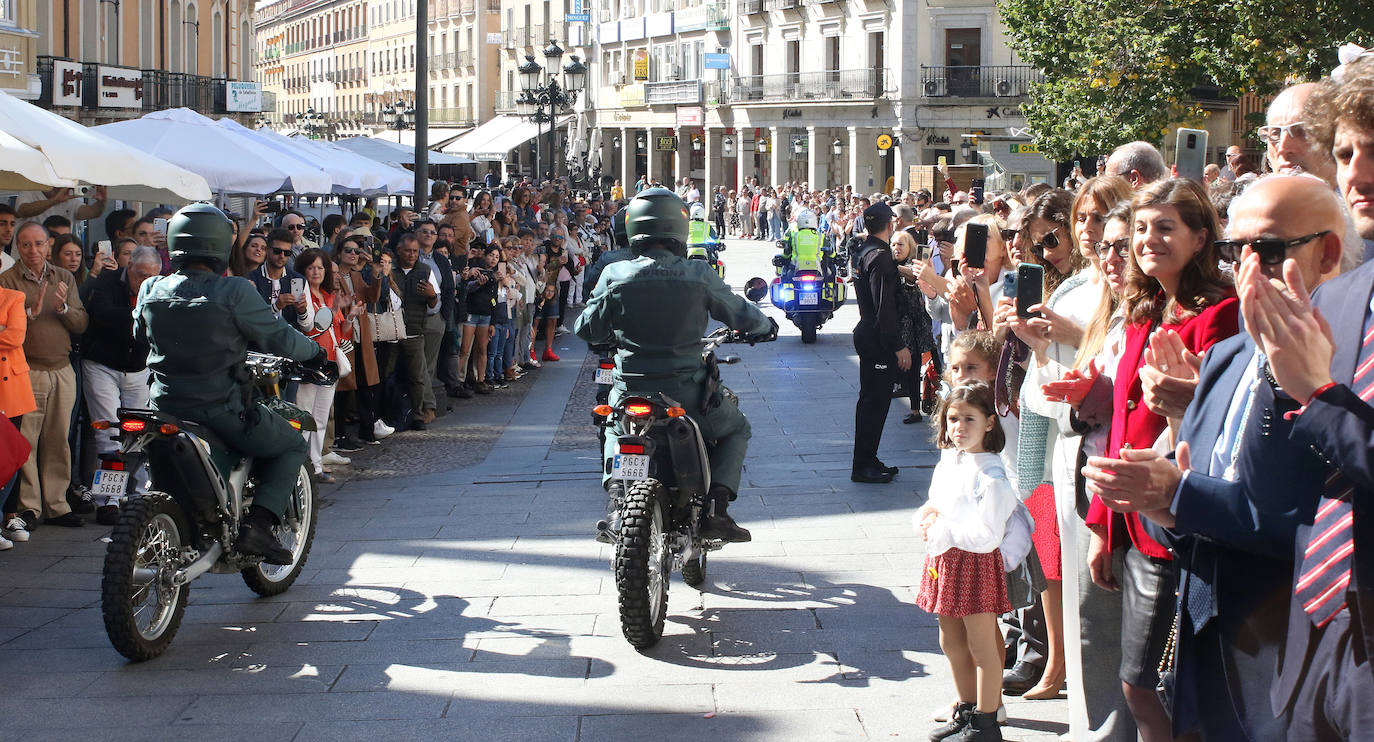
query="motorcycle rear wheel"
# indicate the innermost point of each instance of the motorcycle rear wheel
(694, 570)
(141, 607)
(297, 533)
(807, 323)
(642, 564)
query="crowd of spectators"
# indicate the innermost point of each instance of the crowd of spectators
(429, 308)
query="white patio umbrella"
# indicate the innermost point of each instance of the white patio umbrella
(230, 163)
(378, 178)
(79, 154)
(23, 168)
(288, 150)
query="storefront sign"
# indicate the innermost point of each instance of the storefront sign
(658, 24)
(242, 96)
(119, 88)
(494, 37)
(1023, 148)
(791, 113)
(690, 19)
(621, 116)
(641, 67)
(632, 96)
(665, 144)
(936, 139)
(884, 142)
(66, 83)
(715, 61)
(1003, 112)
(689, 116)
(578, 18)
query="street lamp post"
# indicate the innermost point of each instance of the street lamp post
(404, 117)
(543, 97)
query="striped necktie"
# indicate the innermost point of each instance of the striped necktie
(1325, 574)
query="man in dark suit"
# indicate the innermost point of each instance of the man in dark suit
(1230, 513)
(878, 340)
(419, 302)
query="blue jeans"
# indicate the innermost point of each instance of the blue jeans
(775, 224)
(496, 350)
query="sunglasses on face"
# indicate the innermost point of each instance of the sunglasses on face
(1272, 134)
(295, 226)
(1271, 251)
(1121, 248)
(279, 251)
(353, 251)
(1008, 234)
(1049, 242)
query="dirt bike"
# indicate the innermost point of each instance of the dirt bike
(660, 477)
(188, 522)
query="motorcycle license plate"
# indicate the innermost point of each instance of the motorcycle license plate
(109, 483)
(603, 376)
(809, 299)
(630, 466)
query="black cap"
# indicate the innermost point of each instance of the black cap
(878, 212)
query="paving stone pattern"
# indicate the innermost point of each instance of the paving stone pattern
(457, 597)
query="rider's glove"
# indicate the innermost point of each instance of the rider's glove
(779, 261)
(769, 335)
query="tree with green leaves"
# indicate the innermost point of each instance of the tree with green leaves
(1116, 71)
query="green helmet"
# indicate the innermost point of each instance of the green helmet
(200, 232)
(657, 217)
(622, 238)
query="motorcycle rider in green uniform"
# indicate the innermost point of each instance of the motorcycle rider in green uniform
(655, 309)
(803, 248)
(199, 326)
(702, 240)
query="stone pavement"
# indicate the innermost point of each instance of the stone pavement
(472, 603)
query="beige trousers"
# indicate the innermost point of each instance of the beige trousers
(44, 477)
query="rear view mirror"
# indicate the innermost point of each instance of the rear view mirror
(323, 319)
(756, 289)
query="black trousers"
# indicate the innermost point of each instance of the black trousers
(876, 370)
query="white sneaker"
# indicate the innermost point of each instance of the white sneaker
(334, 459)
(381, 430)
(5, 543)
(14, 530)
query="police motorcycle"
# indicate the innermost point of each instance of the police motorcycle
(188, 522)
(702, 241)
(809, 286)
(660, 477)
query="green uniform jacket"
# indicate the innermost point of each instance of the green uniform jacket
(199, 327)
(655, 309)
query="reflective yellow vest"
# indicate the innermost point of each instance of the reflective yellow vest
(698, 233)
(806, 250)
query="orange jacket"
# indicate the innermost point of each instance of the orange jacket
(16, 395)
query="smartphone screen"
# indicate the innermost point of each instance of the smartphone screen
(160, 225)
(104, 247)
(976, 245)
(1030, 289)
(942, 160)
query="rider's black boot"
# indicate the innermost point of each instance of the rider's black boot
(717, 523)
(608, 528)
(255, 537)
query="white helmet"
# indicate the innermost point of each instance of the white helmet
(806, 219)
(698, 212)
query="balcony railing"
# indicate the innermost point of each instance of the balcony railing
(717, 18)
(493, 6)
(783, 4)
(539, 35)
(797, 86)
(679, 92)
(517, 37)
(467, 7)
(750, 7)
(505, 100)
(462, 115)
(1007, 81)
(465, 58)
(160, 89)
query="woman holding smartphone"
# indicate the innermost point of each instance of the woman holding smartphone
(317, 399)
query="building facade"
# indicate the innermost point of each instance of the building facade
(103, 61)
(312, 57)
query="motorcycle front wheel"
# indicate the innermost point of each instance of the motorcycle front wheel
(296, 533)
(141, 606)
(641, 564)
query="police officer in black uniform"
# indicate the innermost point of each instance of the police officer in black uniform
(878, 340)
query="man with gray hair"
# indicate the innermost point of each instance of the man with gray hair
(1289, 149)
(1138, 162)
(114, 365)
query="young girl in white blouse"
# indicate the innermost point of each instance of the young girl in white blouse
(964, 582)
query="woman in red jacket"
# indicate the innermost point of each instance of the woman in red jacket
(1172, 283)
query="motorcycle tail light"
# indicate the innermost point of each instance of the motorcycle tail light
(676, 412)
(636, 448)
(133, 426)
(807, 279)
(607, 364)
(603, 410)
(639, 409)
(112, 465)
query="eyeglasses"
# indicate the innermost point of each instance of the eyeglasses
(1121, 247)
(1049, 242)
(1272, 134)
(425, 231)
(279, 251)
(353, 251)
(1271, 251)
(1009, 234)
(295, 226)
